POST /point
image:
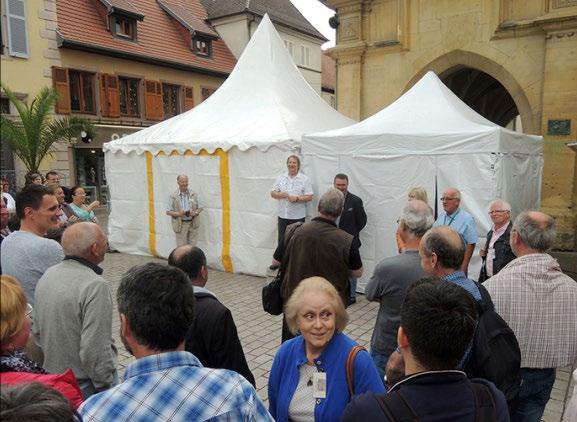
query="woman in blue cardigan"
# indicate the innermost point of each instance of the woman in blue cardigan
(308, 379)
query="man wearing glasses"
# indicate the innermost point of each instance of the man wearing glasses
(497, 251)
(460, 221)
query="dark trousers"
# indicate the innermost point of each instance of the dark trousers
(536, 387)
(282, 225)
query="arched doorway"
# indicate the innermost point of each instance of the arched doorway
(483, 93)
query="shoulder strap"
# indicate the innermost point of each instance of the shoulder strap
(350, 368)
(395, 407)
(486, 301)
(484, 403)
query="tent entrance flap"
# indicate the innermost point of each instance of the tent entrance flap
(209, 178)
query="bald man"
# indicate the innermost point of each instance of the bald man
(539, 303)
(459, 220)
(442, 251)
(184, 210)
(73, 312)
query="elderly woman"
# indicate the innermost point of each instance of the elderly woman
(15, 366)
(82, 211)
(497, 251)
(308, 380)
(417, 193)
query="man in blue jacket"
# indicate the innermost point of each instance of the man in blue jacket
(438, 321)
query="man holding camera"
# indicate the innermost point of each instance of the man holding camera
(184, 210)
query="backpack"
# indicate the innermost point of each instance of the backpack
(495, 354)
(398, 409)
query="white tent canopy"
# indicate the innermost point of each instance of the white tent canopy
(232, 147)
(429, 138)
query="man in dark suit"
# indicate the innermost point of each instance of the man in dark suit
(212, 337)
(352, 220)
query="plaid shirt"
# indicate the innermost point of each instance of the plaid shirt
(174, 386)
(539, 303)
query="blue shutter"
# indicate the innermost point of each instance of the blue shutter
(17, 32)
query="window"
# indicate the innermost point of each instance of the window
(202, 46)
(124, 27)
(4, 106)
(129, 98)
(17, 31)
(170, 100)
(305, 56)
(81, 91)
(207, 92)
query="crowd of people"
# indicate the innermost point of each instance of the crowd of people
(428, 352)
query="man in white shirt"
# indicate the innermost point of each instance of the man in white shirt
(292, 190)
(184, 210)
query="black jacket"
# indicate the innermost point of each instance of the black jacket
(213, 338)
(353, 219)
(503, 252)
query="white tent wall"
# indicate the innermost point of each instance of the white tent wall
(128, 220)
(382, 182)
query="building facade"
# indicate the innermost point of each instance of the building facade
(510, 60)
(123, 65)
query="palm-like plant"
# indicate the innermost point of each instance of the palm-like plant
(33, 138)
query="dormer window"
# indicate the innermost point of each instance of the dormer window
(124, 27)
(202, 46)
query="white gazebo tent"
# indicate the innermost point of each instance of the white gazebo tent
(429, 138)
(232, 147)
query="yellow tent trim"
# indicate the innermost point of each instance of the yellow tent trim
(151, 216)
(225, 193)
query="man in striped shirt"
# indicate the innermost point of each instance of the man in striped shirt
(539, 303)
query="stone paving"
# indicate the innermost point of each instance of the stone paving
(260, 332)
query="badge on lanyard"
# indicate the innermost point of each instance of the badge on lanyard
(319, 385)
(491, 254)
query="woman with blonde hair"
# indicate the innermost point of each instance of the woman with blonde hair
(416, 193)
(15, 366)
(309, 380)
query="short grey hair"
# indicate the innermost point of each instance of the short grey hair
(535, 234)
(332, 202)
(78, 238)
(506, 206)
(417, 216)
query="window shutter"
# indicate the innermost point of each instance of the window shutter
(109, 96)
(153, 100)
(60, 81)
(188, 98)
(17, 31)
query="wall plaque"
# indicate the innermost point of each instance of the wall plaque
(559, 127)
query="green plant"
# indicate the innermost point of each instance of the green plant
(33, 137)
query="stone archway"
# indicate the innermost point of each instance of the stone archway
(475, 79)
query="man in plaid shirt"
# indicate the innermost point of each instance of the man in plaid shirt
(539, 303)
(156, 306)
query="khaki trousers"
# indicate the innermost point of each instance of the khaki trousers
(188, 233)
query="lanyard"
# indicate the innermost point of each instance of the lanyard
(452, 218)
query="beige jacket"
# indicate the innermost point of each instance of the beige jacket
(176, 206)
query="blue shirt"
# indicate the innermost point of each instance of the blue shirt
(459, 278)
(284, 377)
(462, 222)
(175, 386)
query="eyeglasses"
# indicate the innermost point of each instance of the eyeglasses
(446, 198)
(29, 310)
(497, 212)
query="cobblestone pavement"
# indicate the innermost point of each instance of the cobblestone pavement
(260, 332)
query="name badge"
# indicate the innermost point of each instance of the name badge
(491, 254)
(319, 385)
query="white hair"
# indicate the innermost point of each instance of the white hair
(504, 204)
(78, 238)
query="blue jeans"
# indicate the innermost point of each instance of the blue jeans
(380, 361)
(536, 386)
(353, 288)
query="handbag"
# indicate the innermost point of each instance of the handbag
(271, 299)
(350, 365)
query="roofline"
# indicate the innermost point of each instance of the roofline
(76, 45)
(286, 25)
(183, 23)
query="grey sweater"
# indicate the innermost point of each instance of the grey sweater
(27, 256)
(73, 322)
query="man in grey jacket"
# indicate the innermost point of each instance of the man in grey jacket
(73, 312)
